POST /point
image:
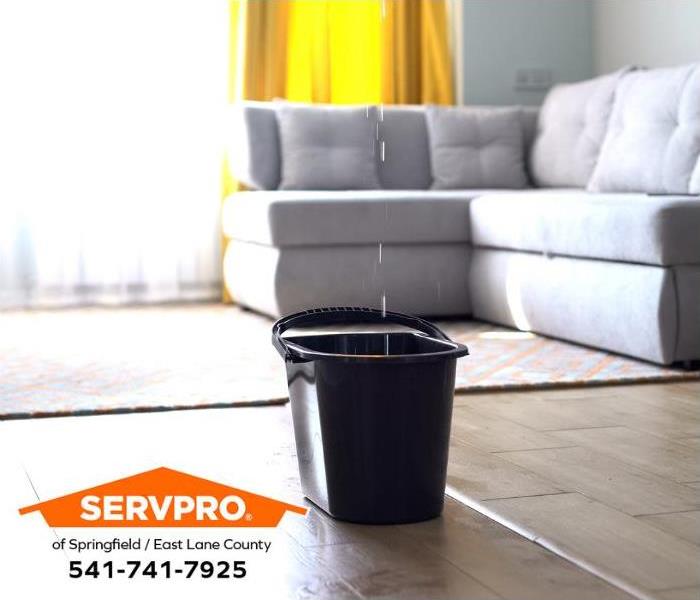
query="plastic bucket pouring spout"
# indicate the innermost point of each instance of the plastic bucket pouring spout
(371, 411)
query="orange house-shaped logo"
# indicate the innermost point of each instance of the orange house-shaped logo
(163, 498)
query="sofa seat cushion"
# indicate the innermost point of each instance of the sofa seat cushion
(657, 230)
(315, 218)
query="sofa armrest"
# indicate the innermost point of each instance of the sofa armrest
(252, 145)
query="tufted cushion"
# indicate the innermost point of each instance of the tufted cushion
(476, 147)
(327, 147)
(653, 139)
(570, 131)
(406, 164)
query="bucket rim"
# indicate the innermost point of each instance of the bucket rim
(292, 352)
(455, 351)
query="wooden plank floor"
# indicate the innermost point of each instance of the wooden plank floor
(607, 477)
(588, 493)
(462, 555)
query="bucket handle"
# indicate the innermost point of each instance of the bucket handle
(341, 314)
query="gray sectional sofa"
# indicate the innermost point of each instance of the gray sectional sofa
(580, 220)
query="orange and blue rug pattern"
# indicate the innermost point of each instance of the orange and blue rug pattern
(103, 360)
(503, 359)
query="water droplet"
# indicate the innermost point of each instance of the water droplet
(384, 305)
(380, 252)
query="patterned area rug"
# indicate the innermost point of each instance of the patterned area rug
(503, 359)
(102, 360)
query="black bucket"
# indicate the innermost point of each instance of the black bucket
(372, 413)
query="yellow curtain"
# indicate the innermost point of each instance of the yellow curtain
(258, 47)
(333, 53)
(340, 52)
(416, 63)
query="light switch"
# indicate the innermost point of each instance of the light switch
(533, 79)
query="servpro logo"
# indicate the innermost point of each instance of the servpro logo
(163, 498)
(147, 508)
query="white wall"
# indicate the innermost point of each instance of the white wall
(499, 37)
(652, 33)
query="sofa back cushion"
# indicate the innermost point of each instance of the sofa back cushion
(254, 144)
(404, 163)
(570, 131)
(253, 153)
(653, 139)
(476, 147)
(328, 147)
